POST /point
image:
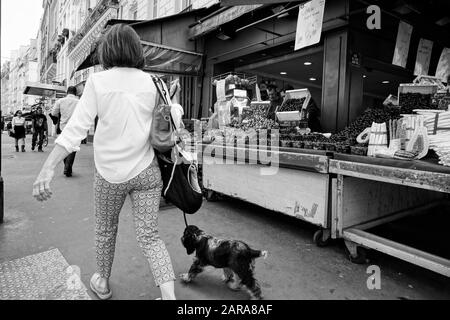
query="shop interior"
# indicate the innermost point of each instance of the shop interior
(286, 69)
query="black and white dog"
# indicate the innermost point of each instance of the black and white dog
(235, 257)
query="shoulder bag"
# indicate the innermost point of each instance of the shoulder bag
(179, 174)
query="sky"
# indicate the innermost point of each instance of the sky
(20, 21)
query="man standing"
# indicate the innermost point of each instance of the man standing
(64, 108)
(275, 101)
(39, 129)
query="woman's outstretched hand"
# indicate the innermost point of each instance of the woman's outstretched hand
(41, 188)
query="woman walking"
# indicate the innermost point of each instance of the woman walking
(18, 129)
(123, 98)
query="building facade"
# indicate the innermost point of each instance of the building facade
(69, 29)
(5, 87)
(22, 68)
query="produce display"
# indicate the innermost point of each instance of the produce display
(440, 143)
(292, 105)
(436, 121)
(255, 117)
(236, 80)
(390, 131)
(410, 101)
(441, 101)
(377, 137)
(405, 155)
(378, 115)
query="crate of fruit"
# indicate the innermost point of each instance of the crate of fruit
(415, 96)
(294, 105)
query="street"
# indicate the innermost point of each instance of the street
(295, 267)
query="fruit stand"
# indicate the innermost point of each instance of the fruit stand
(376, 170)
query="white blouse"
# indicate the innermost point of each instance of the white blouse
(16, 121)
(123, 99)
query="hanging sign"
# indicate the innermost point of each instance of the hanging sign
(443, 68)
(309, 24)
(220, 90)
(423, 57)
(402, 44)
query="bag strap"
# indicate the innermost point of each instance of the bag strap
(163, 92)
(162, 89)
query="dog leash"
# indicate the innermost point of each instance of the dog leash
(185, 219)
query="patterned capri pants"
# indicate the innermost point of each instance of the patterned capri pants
(145, 193)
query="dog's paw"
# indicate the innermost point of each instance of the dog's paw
(232, 285)
(264, 254)
(185, 278)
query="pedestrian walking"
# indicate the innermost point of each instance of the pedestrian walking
(39, 129)
(123, 97)
(64, 108)
(18, 129)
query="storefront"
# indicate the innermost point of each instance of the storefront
(47, 95)
(329, 181)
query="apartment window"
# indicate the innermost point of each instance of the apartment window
(155, 8)
(185, 4)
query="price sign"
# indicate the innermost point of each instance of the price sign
(309, 24)
(402, 44)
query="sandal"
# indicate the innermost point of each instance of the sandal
(102, 295)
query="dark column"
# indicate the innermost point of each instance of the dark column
(342, 92)
(335, 79)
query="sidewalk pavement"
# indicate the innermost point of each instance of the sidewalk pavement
(295, 268)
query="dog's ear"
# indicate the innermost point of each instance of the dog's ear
(189, 244)
(189, 241)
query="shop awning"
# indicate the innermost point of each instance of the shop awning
(223, 15)
(169, 60)
(161, 59)
(43, 89)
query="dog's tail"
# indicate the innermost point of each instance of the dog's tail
(258, 254)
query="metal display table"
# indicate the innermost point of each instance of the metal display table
(370, 192)
(298, 184)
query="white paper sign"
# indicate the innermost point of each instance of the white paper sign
(402, 44)
(309, 24)
(423, 57)
(220, 90)
(443, 68)
(258, 93)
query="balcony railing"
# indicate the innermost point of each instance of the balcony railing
(91, 20)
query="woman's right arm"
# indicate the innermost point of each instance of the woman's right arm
(41, 187)
(82, 119)
(69, 141)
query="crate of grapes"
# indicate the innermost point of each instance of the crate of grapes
(415, 96)
(294, 105)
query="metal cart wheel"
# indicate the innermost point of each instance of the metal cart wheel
(322, 237)
(356, 254)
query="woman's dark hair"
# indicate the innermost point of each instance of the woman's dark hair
(121, 47)
(17, 112)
